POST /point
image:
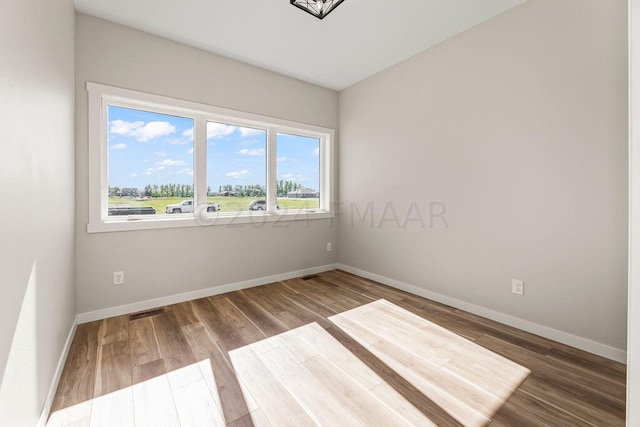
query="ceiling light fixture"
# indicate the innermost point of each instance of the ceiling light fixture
(317, 8)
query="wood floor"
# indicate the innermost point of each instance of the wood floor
(334, 349)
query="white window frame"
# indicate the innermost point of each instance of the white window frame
(101, 96)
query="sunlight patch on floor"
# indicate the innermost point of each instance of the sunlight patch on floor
(187, 397)
(466, 380)
(306, 377)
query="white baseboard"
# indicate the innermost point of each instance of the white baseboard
(553, 334)
(202, 293)
(46, 408)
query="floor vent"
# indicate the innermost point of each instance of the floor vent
(148, 313)
(312, 276)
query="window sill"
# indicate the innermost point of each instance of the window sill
(255, 219)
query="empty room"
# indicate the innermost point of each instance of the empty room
(320, 212)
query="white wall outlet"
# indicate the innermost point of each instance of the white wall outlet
(517, 287)
(329, 247)
(118, 277)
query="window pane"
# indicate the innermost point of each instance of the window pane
(298, 159)
(236, 167)
(150, 162)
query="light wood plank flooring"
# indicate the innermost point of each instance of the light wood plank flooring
(466, 380)
(332, 349)
(306, 377)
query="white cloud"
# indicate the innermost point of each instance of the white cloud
(281, 159)
(133, 175)
(187, 171)
(251, 132)
(142, 131)
(159, 168)
(188, 133)
(190, 150)
(120, 127)
(316, 152)
(120, 146)
(218, 130)
(154, 130)
(161, 154)
(251, 152)
(149, 171)
(239, 174)
(170, 162)
(287, 176)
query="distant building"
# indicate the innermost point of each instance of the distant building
(224, 194)
(303, 193)
(132, 192)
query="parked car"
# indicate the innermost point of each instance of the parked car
(260, 205)
(186, 206)
(213, 207)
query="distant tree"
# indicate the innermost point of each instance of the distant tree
(168, 190)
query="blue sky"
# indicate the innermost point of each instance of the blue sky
(151, 148)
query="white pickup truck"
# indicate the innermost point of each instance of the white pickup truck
(186, 206)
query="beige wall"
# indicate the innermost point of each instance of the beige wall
(633, 323)
(37, 306)
(519, 126)
(160, 263)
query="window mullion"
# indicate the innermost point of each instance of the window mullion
(271, 170)
(200, 160)
(97, 152)
(326, 181)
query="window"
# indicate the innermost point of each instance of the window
(236, 167)
(158, 162)
(298, 162)
(149, 162)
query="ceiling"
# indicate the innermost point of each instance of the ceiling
(357, 40)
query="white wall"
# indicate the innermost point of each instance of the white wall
(208, 256)
(519, 127)
(37, 306)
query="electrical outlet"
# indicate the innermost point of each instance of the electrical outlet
(329, 247)
(118, 277)
(517, 287)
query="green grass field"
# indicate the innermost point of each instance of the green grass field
(227, 204)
